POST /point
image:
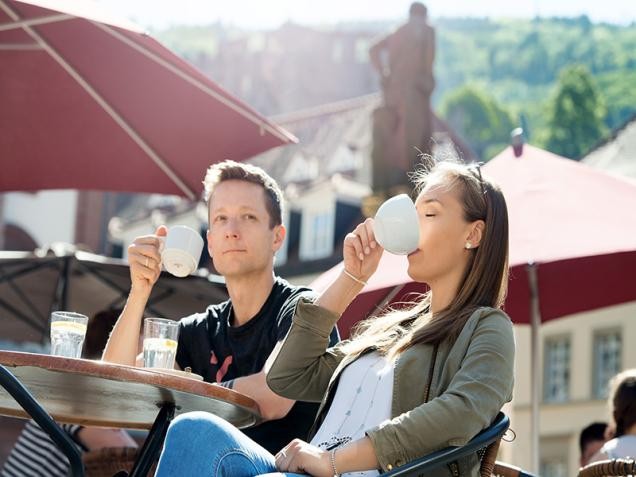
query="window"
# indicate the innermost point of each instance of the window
(556, 380)
(362, 46)
(607, 361)
(553, 468)
(337, 51)
(317, 235)
(554, 452)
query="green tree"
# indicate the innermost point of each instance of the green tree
(575, 116)
(478, 119)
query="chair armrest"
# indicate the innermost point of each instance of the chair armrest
(613, 467)
(506, 470)
(451, 454)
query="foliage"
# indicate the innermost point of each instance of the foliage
(478, 118)
(575, 118)
(519, 61)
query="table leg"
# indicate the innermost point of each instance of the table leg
(25, 399)
(154, 441)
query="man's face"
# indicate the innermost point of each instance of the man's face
(240, 240)
(591, 448)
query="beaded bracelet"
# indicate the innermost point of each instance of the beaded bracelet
(354, 278)
(332, 458)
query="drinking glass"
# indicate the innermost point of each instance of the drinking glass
(160, 342)
(68, 330)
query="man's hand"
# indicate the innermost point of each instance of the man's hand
(300, 457)
(144, 257)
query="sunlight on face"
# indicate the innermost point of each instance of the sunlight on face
(240, 239)
(443, 232)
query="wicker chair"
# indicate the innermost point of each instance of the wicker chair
(486, 444)
(507, 470)
(109, 461)
(112, 462)
(614, 467)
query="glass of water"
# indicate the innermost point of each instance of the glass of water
(68, 330)
(160, 342)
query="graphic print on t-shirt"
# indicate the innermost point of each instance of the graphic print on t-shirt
(222, 370)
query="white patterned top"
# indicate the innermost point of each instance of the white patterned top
(362, 401)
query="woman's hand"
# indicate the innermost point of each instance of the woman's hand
(301, 457)
(361, 252)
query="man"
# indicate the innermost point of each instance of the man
(591, 440)
(402, 126)
(230, 342)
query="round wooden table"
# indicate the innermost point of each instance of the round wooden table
(96, 393)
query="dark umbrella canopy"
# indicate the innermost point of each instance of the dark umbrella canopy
(91, 102)
(32, 285)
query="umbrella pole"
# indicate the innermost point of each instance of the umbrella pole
(2, 227)
(387, 300)
(535, 316)
(61, 293)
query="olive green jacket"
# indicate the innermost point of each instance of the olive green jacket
(472, 378)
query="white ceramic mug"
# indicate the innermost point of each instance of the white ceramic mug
(181, 250)
(396, 225)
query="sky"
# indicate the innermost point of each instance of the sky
(267, 14)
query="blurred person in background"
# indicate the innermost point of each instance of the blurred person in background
(591, 440)
(622, 428)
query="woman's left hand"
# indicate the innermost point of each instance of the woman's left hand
(301, 457)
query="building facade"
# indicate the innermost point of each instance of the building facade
(578, 355)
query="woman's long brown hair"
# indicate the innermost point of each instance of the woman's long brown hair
(484, 284)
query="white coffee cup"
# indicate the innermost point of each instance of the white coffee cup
(181, 250)
(396, 225)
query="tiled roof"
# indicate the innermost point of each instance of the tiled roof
(325, 129)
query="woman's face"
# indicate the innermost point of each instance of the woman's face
(441, 252)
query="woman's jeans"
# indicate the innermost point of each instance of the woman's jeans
(204, 445)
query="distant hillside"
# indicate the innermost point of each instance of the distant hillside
(518, 61)
(515, 61)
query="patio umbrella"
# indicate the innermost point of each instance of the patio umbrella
(89, 101)
(32, 285)
(572, 246)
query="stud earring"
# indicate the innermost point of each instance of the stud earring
(468, 245)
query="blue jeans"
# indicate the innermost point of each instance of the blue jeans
(204, 445)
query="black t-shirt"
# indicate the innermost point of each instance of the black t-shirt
(220, 352)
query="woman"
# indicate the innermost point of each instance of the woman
(622, 427)
(410, 382)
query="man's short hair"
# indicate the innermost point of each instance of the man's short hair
(232, 170)
(591, 433)
(418, 9)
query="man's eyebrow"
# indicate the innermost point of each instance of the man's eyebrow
(241, 207)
